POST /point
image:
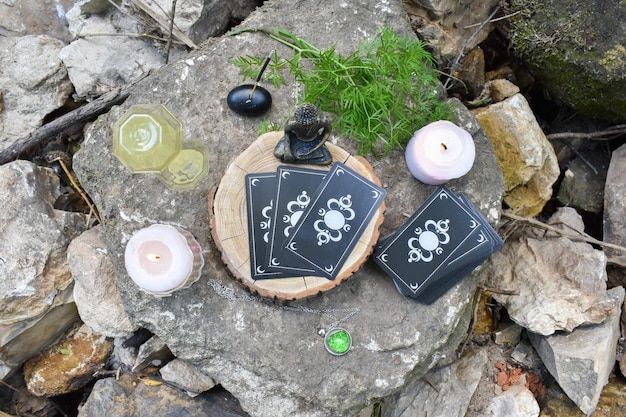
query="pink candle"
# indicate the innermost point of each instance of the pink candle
(439, 152)
(161, 259)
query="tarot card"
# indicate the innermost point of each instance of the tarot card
(458, 268)
(491, 233)
(295, 187)
(259, 206)
(418, 253)
(470, 254)
(333, 222)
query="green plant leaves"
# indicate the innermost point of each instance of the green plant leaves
(378, 95)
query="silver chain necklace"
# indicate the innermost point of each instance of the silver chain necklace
(336, 339)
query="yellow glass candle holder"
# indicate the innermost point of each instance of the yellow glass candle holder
(146, 138)
(187, 167)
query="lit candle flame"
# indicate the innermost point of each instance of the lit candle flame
(154, 257)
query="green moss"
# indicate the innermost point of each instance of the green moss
(575, 50)
(614, 60)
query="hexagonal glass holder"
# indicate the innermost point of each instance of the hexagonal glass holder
(146, 138)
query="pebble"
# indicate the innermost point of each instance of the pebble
(240, 102)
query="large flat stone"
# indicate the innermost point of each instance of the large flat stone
(270, 358)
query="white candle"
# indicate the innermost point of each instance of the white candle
(161, 259)
(439, 152)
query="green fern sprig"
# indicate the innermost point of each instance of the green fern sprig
(378, 95)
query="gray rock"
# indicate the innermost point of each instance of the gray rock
(35, 17)
(621, 347)
(33, 82)
(93, 6)
(154, 352)
(107, 397)
(203, 19)
(575, 49)
(581, 361)
(562, 283)
(507, 334)
(582, 187)
(31, 336)
(185, 376)
(568, 221)
(525, 355)
(123, 356)
(614, 208)
(447, 25)
(96, 64)
(272, 359)
(33, 266)
(517, 401)
(441, 392)
(113, 398)
(95, 291)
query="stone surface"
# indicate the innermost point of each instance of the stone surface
(447, 392)
(33, 82)
(527, 159)
(507, 334)
(93, 6)
(126, 398)
(33, 241)
(613, 398)
(270, 358)
(582, 187)
(568, 221)
(95, 290)
(33, 267)
(34, 335)
(471, 74)
(501, 89)
(34, 17)
(448, 24)
(517, 401)
(525, 355)
(185, 376)
(67, 365)
(154, 352)
(577, 50)
(562, 283)
(204, 19)
(581, 361)
(622, 342)
(97, 64)
(614, 206)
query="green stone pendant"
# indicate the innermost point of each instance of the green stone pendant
(338, 341)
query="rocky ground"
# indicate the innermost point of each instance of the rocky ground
(540, 335)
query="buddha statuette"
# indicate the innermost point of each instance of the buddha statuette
(305, 134)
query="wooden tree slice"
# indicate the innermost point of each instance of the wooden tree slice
(228, 221)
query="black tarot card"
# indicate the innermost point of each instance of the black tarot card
(259, 207)
(479, 250)
(295, 188)
(490, 232)
(418, 254)
(333, 222)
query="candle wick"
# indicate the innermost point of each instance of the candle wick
(443, 145)
(154, 257)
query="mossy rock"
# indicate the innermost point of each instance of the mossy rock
(577, 49)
